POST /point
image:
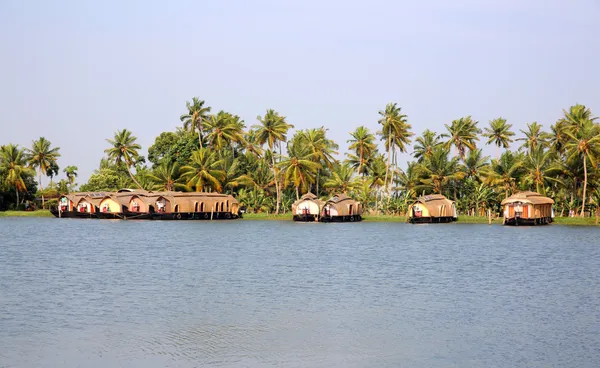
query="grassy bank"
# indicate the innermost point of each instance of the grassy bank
(575, 221)
(38, 213)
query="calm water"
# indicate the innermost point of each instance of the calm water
(90, 293)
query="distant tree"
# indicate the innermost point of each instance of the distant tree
(195, 117)
(124, 150)
(499, 133)
(71, 173)
(272, 130)
(13, 167)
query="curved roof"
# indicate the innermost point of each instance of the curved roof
(528, 197)
(342, 203)
(437, 205)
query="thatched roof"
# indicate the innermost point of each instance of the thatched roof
(342, 203)
(528, 197)
(309, 197)
(437, 205)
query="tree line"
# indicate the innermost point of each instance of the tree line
(267, 168)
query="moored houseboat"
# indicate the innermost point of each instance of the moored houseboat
(433, 208)
(141, 204)
(527, 208)
(341, 208)
(307, 208)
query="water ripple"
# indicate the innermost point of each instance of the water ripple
(278, 294)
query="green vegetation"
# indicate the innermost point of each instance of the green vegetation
(37, 213)
(267, 166)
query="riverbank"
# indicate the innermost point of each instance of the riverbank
(574, 221)
(37, 213)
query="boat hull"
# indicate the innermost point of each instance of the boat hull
(305, 218)
(148, 216)
(519, 221)
(348, 218)
(431, 220)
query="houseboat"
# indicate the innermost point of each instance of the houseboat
(434, 208)
(307, 208)
(527, 208)
(148, 205)
(341, 208)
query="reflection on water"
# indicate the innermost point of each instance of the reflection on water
(257, 294)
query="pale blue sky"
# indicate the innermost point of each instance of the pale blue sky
(76, 71)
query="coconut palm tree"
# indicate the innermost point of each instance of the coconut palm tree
(203, 172)
(476, 165)
(321, 148)
(409, 180)
(224, 129)
(499, 133)
(584, 143)
(539, 169)
(439, 170)
(272, 130)
(505, 172)
(196, 114)
(43, 158)
(363, 145)
(167, 176)
(342, 179)
(462, 134)
(395, 132)
(13, 166)
(71, 173)
(533, 136)
(299, 167)
(425, 144)
(557, 138)
(124, 150)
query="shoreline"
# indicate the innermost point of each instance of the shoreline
(570, 221)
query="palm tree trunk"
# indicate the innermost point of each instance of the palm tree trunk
(276, 183)
(41, 188)
(318, 172)
(297, 194)
(387, 166)
(17, 191)
(131, 175)
(584, 185)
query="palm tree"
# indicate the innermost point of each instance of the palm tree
(196, 114)
(476, 165)
(71, 173)
(43, 158)
(533, 136)
(377, 172)
(425, 144)
(505, 172)
(499, 133)
(204, 171)
(539, 169)
(272, 130)
(300, 167)
(342, 179)
(124, 150)
(395, 131)
(13, 168)
(363, 144)
(462, 134)
(224, 129)
(409, 180)
(556, 138)
(167, 176)
(439, 170)
(321, 148)
(584, 143)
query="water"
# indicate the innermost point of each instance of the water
(100, 293)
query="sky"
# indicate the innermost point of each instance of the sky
(75, 72)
